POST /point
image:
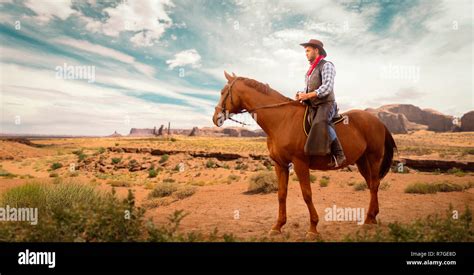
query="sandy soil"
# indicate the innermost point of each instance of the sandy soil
(221, 203)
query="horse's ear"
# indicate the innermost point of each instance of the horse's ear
(228, 76)
(233, 74)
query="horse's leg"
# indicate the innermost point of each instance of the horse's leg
(282, 175)
(369, 167)
(374, 160)
(302, 171)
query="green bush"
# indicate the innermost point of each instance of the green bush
(324, 182)
(263, 182)
(71, 212)
(56, 166)
(80, 154)
(116, 160)
(163, 189)
(152, 173)
(457, 172)
(431, 188)
(164, 158)
(430, 229)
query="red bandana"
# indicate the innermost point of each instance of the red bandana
(314, 64)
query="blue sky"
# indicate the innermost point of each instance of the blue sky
(162, 60)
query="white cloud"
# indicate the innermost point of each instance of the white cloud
(47, 105)
(47, 10)
(107, 52)
(147, 19)
(188, 57)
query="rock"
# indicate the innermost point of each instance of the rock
(115, 134)
(145, 150)
(146, 132)
(467, 121)
(194, 131)
(414, 118)
(130, 150)
(396, 123)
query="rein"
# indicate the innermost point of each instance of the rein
(229, 93)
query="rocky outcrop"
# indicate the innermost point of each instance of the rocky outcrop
(135, 132)
(115, 134)
(467, 121)
(401, 118)
(435, 120)
(396, 123)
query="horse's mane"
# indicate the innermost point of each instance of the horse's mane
(265, 89)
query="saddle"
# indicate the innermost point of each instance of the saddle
(307, 123)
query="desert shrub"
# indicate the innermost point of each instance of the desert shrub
(431, 188)
(184, 192)
(457, 172)
(80, 154)
(71, 212)
(324, 182)
(360, 186)
(163, 189)
(433, 228)
(101, 150)
(169, 180)
(263, 182)
(241, 166)
(210, 164)
(56, 165)
(313, 178)
(152, 173)
(384, 185)
(116, 160)
(164, 158)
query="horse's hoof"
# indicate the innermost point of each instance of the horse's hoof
(274, 232)
(311, 236)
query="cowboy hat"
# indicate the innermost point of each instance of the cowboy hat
(316, 44)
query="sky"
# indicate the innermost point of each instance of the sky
(95, 67)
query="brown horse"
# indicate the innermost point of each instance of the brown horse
(365, 140)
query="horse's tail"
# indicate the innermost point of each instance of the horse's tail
(390, 147)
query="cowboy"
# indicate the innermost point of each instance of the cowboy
(319, 95)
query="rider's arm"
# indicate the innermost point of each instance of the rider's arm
(328, 73)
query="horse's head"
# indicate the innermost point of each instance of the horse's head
(229, 102)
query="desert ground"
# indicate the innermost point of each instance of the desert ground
(220, 180)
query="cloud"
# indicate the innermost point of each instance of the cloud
(188, 57)
(47, 10)
(148, 20)
(79, 108)
(106, 52)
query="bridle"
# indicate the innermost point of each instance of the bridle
(224, 110)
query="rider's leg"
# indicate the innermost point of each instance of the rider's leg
(336, 147)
